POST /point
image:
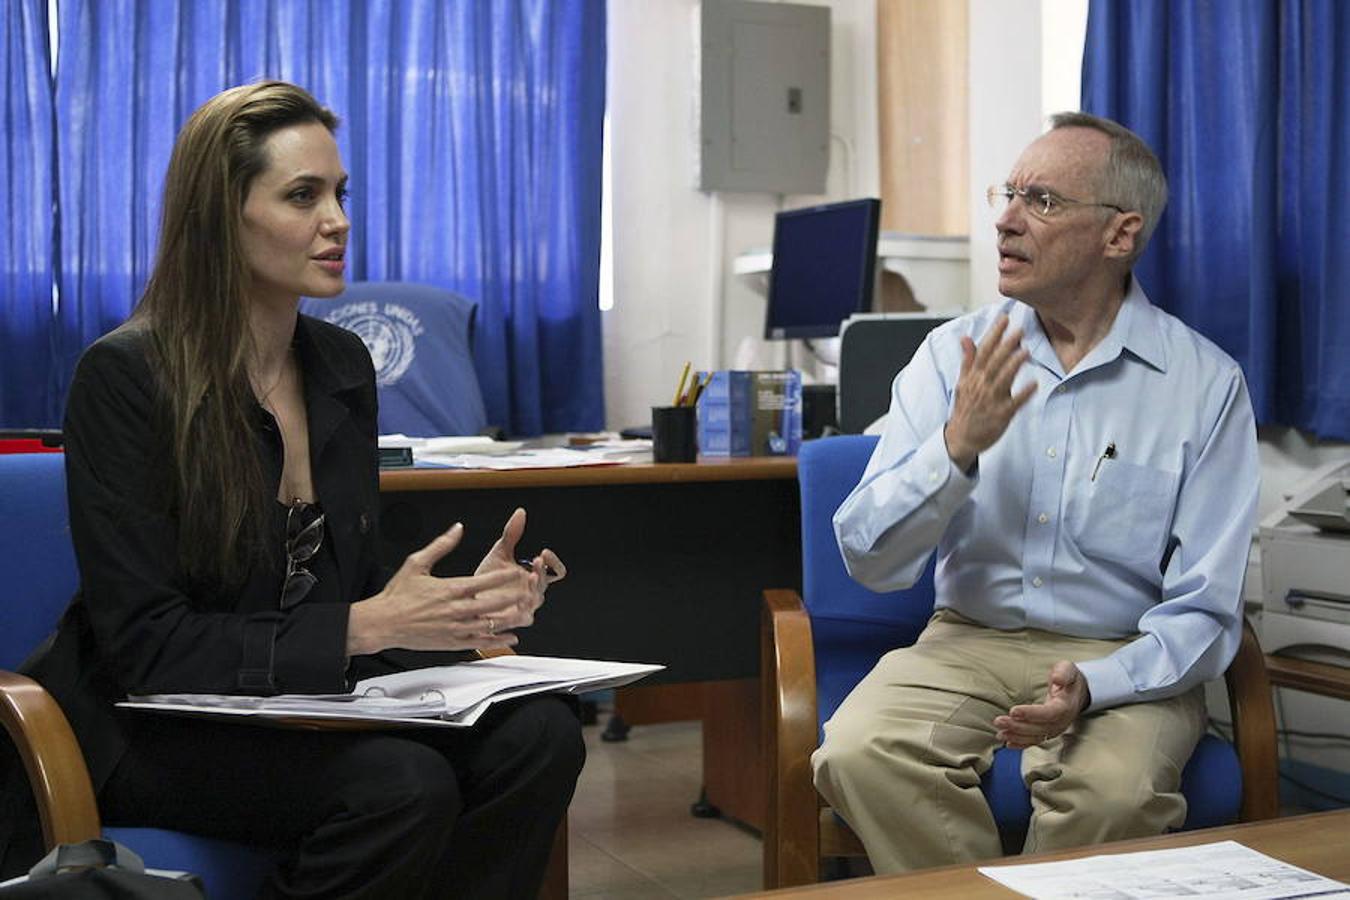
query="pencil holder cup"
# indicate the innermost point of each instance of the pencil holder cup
(674, 434)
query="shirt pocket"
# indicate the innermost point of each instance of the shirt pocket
(1126, 515)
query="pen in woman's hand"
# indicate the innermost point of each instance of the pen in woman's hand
(529, 564)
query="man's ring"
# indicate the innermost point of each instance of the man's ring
(492, 626)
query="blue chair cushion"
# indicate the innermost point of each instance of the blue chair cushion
(845, 651)
(1008, 798)
(831, 467)
(851, 626)
(35, 551)
(228, 870)
(1210, 783)
(40, 578)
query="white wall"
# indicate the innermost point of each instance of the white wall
(675, 296)
(1025, 58)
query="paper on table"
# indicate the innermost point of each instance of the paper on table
(439, 695)
(471, 443)
(539, 458)
(1225, 870)
(621, 447)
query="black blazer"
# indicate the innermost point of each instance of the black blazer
(137, 624)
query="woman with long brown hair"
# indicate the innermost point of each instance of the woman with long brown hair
(221, 466)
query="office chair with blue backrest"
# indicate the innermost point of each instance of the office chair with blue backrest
(817, 646)
(420, 338)
(40, 576)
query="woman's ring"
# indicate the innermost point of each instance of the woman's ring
(492, 626)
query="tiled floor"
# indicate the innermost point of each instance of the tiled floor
(630, 832)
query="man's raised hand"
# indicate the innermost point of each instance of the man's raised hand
(985, 403)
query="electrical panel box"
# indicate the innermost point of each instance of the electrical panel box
(764, 100)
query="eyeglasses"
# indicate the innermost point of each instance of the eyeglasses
(1041, 201)
(302, 542)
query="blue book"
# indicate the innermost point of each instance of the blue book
(743, 413)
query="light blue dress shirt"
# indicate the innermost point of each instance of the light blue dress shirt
(1051, 530)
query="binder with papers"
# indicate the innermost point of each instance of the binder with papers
(448, 696)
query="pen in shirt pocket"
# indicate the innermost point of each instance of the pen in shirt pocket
(1108, 453)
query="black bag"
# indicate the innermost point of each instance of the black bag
(100, 870)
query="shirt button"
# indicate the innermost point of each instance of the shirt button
(933, 475)
(1042, 518)
(1060, 389)
(1050, 452)
(1037, 582)
(363, 523)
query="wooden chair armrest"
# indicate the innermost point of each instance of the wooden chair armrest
(1253, 712)
(52, 758)
(836, 838)
(788, 681)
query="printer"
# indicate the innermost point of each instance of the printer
(1305, 570)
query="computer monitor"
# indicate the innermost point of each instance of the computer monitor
(824, 266)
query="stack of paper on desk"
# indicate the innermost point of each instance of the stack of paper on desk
(485, 453)
(450, 445)
(453, 696)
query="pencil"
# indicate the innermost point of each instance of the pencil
(679, 389)
(697, 390)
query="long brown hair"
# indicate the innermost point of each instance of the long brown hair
(195, 307)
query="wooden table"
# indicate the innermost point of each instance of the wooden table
(666, 563)
(1318, 842)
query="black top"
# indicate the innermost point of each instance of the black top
(137, 624)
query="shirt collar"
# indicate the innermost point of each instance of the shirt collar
(1135, 329)
(1138, 326)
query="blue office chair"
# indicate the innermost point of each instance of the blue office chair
(40, 576)
(817, 646)
(421, 341)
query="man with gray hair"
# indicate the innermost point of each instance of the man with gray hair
(1084, 466)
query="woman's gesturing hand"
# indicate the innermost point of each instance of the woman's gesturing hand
(420, 611)
(535, 574)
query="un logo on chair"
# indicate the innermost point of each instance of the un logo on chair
(420, 339)
(388, 330)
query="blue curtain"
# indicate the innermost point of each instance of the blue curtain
(1245, 103)
(471, 129)
(476, 166)
(29, 395)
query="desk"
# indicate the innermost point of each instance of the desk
(1318, 842)
(666, 563)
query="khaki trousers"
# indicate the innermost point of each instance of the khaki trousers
(903, 755)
